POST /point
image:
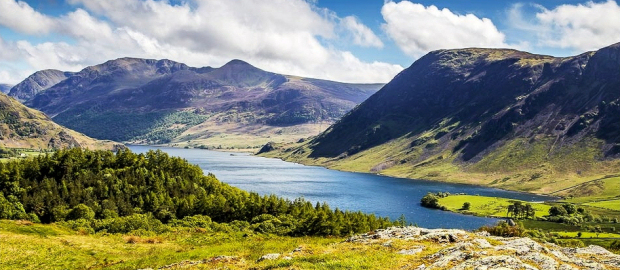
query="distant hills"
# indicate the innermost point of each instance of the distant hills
(497, 117)
(162, 101)
(22, 127)
(36, 83)
(5, 88)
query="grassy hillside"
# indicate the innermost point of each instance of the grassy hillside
(22, 127)
(492, 117)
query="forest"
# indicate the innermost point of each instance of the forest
(123, 192)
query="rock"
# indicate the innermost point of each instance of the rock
(446, 236)
(482, 243)
(566, 267)
(521, 245)
(271, 256)
(591, 249)
(543, 261)
(463, 250)
(494, 262)
(223, 258)
(512, 222)
(411, 251)
(268, 147)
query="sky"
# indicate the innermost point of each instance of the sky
(360, 41)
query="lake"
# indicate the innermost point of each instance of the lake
(382, 195)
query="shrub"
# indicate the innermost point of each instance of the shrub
(557, 211)
(503, 229)
(128, 224)
(466, 206)
(615, 245)
(570, 243)
(430, 201)
(197, 221)
(81, 211)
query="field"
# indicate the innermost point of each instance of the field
(487, 206)
(588, 235)
(611, 204)
(19, 151)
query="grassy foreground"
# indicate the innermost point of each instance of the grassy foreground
(24, 245)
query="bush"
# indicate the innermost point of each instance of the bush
(81, 211)
(615, 245)
(570, 243)
(503, 229)
(197, 221)
(466, 206)
(557, 211)
(430, 201)
(128, 224)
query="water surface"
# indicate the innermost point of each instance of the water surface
(382, 195)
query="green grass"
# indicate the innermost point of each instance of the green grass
(611, 204)
(487, 206)
(588, 235)
(24, 245)
(549, 226)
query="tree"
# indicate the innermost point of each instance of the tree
(570, 208)
(81, 211)
(557, 211)
(466, 206)
(430, 201)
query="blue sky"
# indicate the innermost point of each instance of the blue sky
(343, 40)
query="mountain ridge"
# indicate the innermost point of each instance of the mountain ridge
(178, 104)
(495, 117)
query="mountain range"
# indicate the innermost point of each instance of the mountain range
(5, 88)
(496, 117)
(166, 102)
(22, 127)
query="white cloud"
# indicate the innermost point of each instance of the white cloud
(417, 29)
(581, 27)
(284, 36)
(23, 18)
(361, 34)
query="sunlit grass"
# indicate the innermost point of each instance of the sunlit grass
(487, 206)
(611, 204)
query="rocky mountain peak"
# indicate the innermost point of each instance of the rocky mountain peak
(38, 82)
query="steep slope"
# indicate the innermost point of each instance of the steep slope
(486, 116)
(22, 127)
(5, 88)
(161, 101)
(36, 83)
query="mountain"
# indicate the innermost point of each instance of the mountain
(5, 88)
(162, 101)
(36, 83)
(495, 117)
(22, 127)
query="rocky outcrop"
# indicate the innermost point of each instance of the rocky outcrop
(37, 83)
(457, 249)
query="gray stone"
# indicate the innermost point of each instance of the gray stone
(411, 251)
(271, 256)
